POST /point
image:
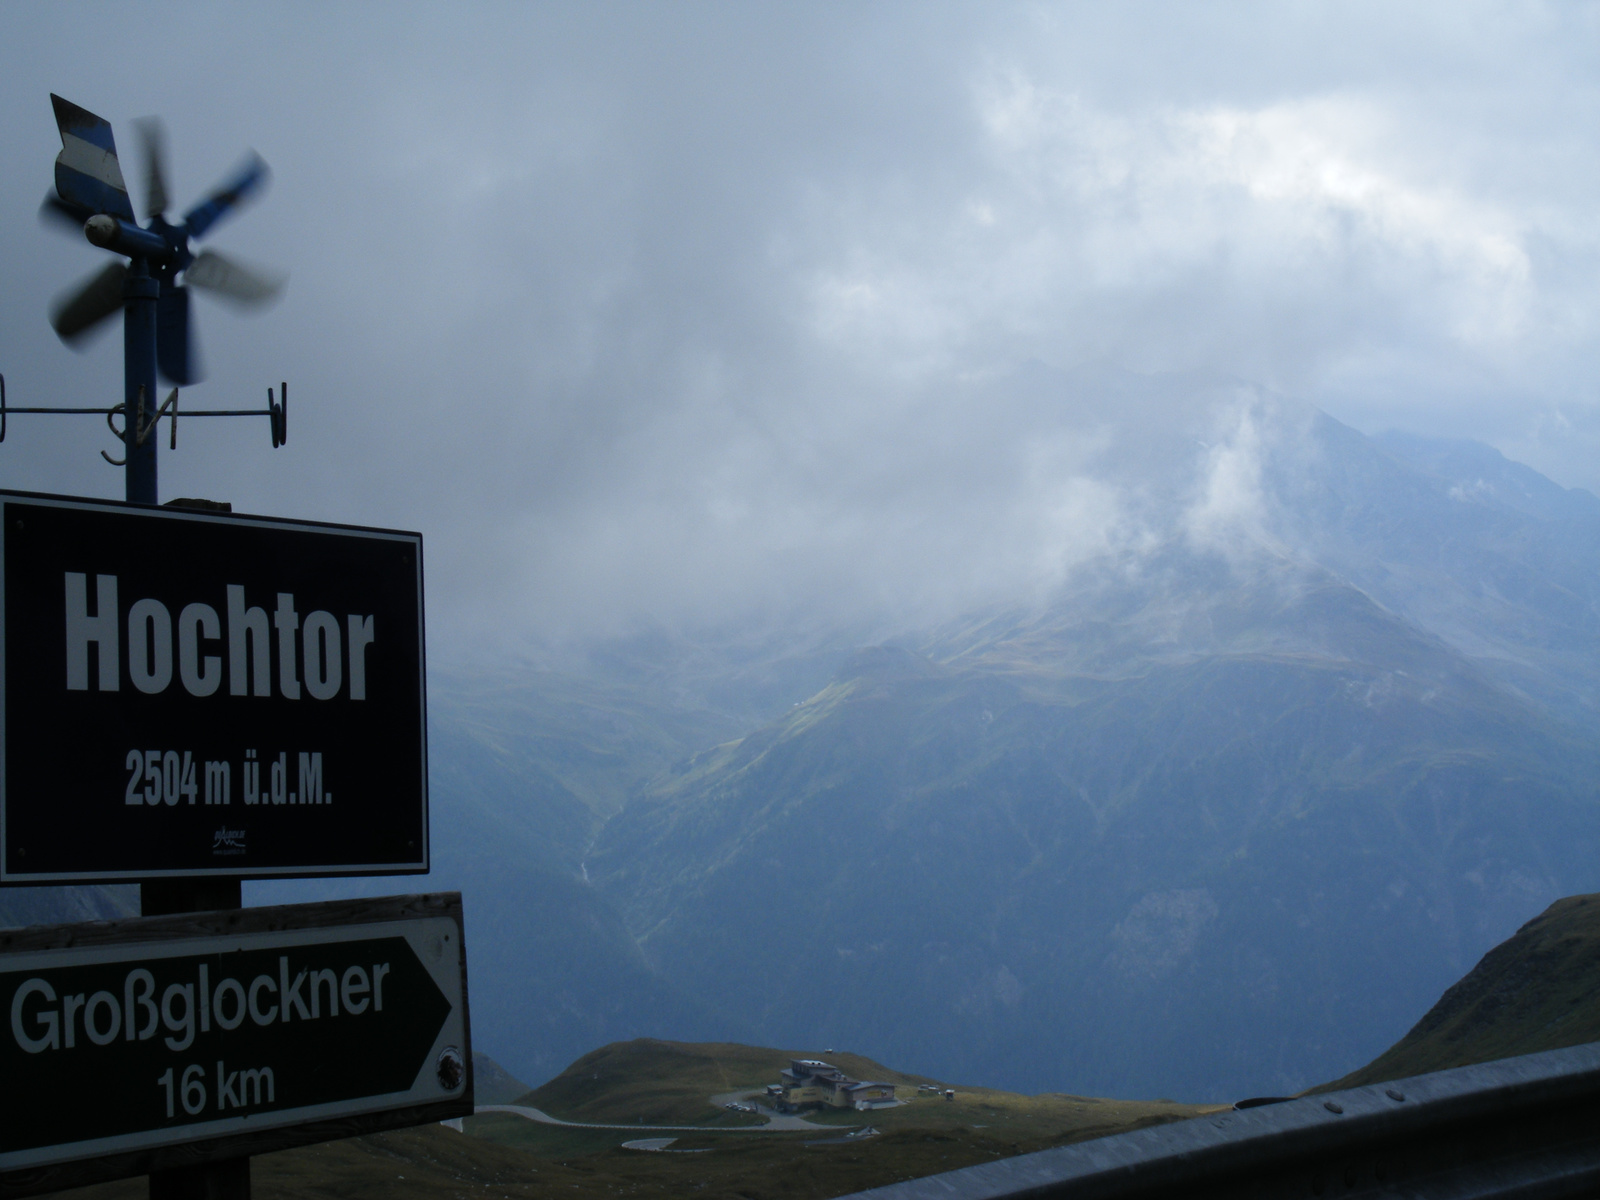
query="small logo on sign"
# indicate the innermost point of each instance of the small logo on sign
(226, 842)
(451, 1069)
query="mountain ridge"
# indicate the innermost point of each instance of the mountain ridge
(1132, 714)
(1532, 992)
(1320, 720)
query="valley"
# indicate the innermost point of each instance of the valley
(1215, 816)
(1530, 993)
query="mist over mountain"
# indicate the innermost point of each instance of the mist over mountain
(1219, 812)
(895, 579)
(1262, 761)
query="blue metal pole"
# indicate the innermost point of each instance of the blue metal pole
(139, 380)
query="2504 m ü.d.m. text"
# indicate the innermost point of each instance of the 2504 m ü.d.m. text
(193, 693)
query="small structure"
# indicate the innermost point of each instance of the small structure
(811, 1083)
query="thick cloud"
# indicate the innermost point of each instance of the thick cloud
(701, 311)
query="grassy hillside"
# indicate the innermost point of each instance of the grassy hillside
(1535, 991)
(770, 1166)
(659, 1082)
(426, 1163)
(509, 1157)
(671, 1083)
(662, 1083)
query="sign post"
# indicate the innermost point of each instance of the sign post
(259, 682)
(156, 1043)
(192, 698)
(196, 694)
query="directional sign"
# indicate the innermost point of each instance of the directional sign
(193, 693)
(142, 1043)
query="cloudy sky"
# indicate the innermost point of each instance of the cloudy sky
(698, 310)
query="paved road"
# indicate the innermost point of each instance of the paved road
(775, 1122)
(662, 1145)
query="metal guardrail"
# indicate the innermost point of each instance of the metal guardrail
(1526, 1127)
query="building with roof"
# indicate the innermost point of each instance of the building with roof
(811, 1083)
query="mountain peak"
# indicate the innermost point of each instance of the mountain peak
(1480, 474)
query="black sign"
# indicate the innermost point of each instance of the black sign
(191, 693)
(171, 1031)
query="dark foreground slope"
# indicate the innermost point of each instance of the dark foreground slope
(1535, 991)
(427, 1163)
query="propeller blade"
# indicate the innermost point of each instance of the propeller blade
(227, 277)
(87, 172)
(249, 177)
(153, 140)
(75, 313)
(56, 211)
(177, 358)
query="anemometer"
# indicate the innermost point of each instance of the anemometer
(286, 747)
(158, 337)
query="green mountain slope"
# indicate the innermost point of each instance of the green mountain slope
(1216, 816)
(1535, 991)
(553, 968)
(1176, 879)
(526, 762)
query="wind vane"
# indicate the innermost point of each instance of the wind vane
(90, 195)
(191, 1130)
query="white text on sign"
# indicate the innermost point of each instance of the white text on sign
(315, 653)
(41, 1020)
(168, 777)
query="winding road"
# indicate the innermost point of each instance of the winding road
(776, 1123)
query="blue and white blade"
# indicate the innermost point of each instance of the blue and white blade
(87, 172)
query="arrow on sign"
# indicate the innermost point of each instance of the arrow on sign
(115, 1047)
